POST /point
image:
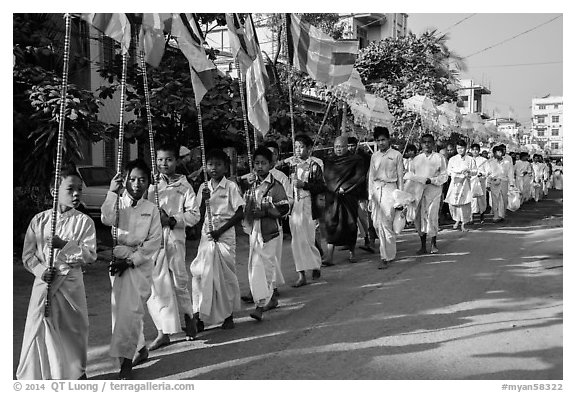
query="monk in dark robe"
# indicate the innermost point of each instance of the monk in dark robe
(344, 174)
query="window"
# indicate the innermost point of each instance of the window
(541, 119)
(555, 119)
(555, 132)
(540, 132)
(555, 106)
(541, 106)
(554, 146)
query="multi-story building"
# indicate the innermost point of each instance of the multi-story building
(547, 119)
(470, 96)
(367, 28)
(507, 126)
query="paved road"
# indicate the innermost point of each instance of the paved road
(488, 307)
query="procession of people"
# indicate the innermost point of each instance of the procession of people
(148, 271)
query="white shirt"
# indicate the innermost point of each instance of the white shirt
(225, 199)
(72, 226)
(480, 164)
(139, 226)
(178, 200)
(285, 181)
(385, 167)
(458, 164)
(431, 167)
(500, 170)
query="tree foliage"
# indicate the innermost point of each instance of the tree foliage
(399, 68)
(37, 81)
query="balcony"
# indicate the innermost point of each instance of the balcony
(372, 19)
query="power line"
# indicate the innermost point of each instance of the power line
(457, 23)
(516, 65)
(511, 38)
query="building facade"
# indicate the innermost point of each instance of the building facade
(547, 124)
(470, 96)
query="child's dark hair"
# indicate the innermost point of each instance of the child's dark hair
(475, 145)
(272, 144)
(461, 143)
(68, 169)
(381, 131)
(264, 152)
(138, 164)
(427, 136)
(169, 147)
(497, 148)
(305, 139)
(218, 154)
(411, 147)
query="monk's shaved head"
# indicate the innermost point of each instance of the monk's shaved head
(340, 145)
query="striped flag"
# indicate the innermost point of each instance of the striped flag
(152, 40)
(115, 26)
(243, 48)
(186, 32)
(246, 49)
(317, 54)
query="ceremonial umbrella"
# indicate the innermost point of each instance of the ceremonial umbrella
(373, 112)
(351, 91)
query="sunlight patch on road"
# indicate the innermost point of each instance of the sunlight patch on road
(437, 262)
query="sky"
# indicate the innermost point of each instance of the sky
(508, 69)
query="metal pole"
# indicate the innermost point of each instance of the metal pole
(61, 120)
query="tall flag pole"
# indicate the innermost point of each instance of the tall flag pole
(61, 119)
(120, 157)
(203, 152)
(155, 174)
(243, 102)
(289, 65)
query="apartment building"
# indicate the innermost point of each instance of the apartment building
(547, 121)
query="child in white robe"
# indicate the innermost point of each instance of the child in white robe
(55, 347)
(139, 236)
(266, 203)
(215, 289)
(170, 286)
(479, 202)
(307, 181)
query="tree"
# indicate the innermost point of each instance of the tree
(38, 60)
(399, 68)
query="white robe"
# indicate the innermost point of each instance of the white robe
(385, 175)
(431, 167)
(459, 195)
(56, 347)
(170, 281)
(215, 289)
(524, 177)
(139, 234)
(479, 203)
(302, 226)
(500, 176)
(285, 181)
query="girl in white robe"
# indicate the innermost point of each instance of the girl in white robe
(55, 347)
(139, 236)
